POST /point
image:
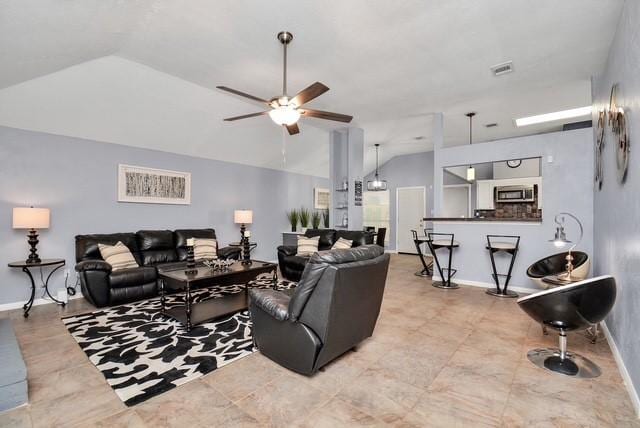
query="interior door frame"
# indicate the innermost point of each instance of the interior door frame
(468, 186)
(424, 207)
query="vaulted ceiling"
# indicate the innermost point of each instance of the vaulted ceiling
(143, 72)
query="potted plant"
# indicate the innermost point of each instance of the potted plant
(293, 216)
(315, 219)
(325, 218)
(304, 216)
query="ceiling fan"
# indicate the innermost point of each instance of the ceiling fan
(285, 110)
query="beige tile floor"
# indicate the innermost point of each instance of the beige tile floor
(437, 358)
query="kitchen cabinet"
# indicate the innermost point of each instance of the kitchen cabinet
(484, 194)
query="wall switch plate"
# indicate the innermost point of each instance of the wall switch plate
(550, 159)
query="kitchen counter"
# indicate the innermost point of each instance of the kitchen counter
(484, 219)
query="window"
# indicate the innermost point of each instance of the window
(376, 210)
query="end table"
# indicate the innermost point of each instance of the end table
(54, 263)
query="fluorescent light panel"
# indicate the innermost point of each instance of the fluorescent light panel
(550, 117)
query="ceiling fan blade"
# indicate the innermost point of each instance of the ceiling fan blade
(229, 119)
(242, 94)
(326, 115)
(309, 93)
(293, 129)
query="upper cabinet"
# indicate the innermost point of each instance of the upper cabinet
(484, 195)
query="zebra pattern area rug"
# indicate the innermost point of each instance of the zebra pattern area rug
(142, 353)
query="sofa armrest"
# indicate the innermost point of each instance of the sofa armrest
(87, 265)
(226, 253)
(273, 302)
(288, 250)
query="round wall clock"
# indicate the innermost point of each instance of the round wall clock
(514, 163)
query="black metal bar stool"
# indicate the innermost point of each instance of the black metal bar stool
(426, 267)
(509, 244)
(436, 244)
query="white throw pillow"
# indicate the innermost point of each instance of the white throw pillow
(307, 246)
(342, 244)
(118, 256)
(206, 249)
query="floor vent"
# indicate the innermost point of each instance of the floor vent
(504, 68)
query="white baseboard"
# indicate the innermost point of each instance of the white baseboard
(622, 368)
(36, 302)
(487, 285)
(391, 251)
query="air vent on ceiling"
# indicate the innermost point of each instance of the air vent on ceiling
(503, 68)
(491, 125)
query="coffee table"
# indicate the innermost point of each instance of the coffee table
(193, 313)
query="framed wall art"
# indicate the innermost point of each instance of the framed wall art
(139, 184)
(321, 198)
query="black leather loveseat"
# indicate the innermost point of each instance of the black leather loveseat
(292, 266)
(152, 249)
(334, 307)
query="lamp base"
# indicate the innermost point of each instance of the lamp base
(33, 251)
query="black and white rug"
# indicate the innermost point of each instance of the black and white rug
(142, 353)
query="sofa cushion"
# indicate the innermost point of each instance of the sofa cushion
(205, 249)
(307, 246)
(118, 256)
(342, 244)
(181, 236)
(327, 237)
(357, 236)
(156, 246)
(133, 277)
(87, 245)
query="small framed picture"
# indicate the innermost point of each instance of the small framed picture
(321, 198)
(139, 184)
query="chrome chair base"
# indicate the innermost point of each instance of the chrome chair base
(501, 293)
(445, 286)
(573, 365)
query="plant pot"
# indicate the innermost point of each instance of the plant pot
(293, 228)
(303, 230)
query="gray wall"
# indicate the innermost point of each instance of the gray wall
(77, 180)
(617, 206)
(567, 186)
(406, 171)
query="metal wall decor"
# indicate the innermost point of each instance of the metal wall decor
(619, 128)
(602, 122)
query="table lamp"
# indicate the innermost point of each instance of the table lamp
(560, 240)
(32, 219)
(244, 217)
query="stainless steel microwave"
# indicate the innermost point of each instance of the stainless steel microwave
(515, 193)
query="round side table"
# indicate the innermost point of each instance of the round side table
(54, 263)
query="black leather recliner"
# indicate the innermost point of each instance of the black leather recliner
(334, 307)
(153, 250)
(292, 266)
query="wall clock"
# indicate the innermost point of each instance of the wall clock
(602, 121)
(514, 163)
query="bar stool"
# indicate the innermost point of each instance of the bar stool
(448, 243)
(509, 244)
(426, 267)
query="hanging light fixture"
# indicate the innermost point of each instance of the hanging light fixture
(471, 171)
(376, 185)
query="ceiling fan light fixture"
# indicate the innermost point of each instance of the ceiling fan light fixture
(285, 115)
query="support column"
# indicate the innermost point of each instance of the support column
(346, 159)
(438, 144)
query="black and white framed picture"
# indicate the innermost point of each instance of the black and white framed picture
(321, 198)
(153, 186)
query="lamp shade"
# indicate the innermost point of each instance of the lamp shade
(243, 216)
(31, 218)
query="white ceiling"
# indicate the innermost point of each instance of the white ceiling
(143, 72)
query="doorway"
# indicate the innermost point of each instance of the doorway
(410, 212)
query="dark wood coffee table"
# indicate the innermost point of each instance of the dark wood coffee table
(193, 313)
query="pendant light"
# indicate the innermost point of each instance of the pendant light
(471, 171)
(376, 185)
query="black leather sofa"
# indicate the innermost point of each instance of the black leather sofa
(152, 249)
(334, 307)
(292, 266)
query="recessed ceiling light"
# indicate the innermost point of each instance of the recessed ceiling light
(550, 117)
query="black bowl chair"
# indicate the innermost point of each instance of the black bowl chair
(557, 264)
(334, 307)
(576, 306)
